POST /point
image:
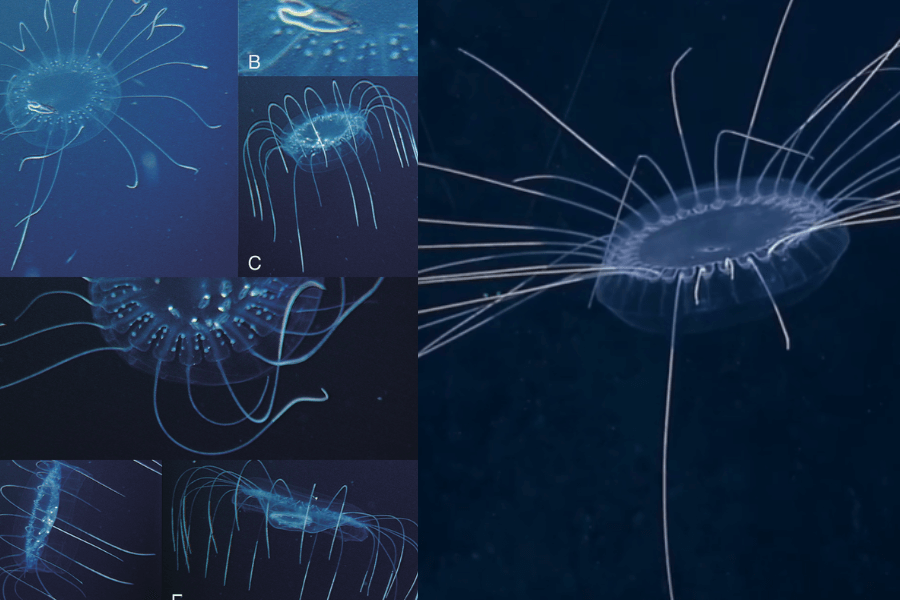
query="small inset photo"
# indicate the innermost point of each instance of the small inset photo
(80, 529)
(289, 530)
(329, 178)
(117, 132)
(287, 367)
(342, 37)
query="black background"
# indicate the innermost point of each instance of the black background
(100, 407)
(542, 454)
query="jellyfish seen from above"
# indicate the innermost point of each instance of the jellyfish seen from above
(89, 96)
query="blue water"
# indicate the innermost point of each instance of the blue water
(102, 406)
(175, 222)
